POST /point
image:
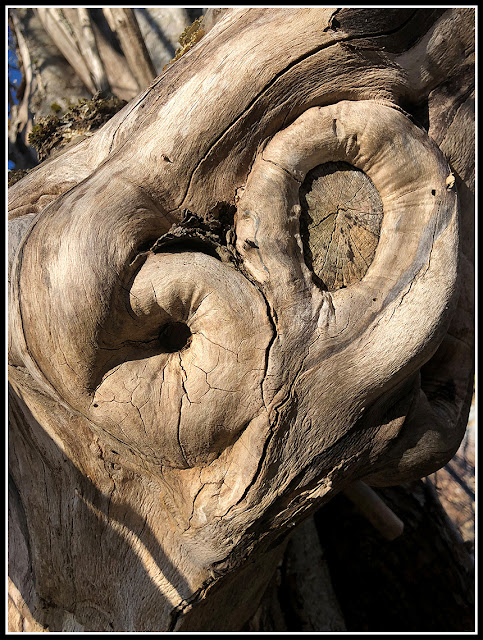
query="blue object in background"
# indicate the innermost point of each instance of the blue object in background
(14, 77)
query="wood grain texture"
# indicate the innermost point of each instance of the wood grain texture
(184, 392)
(342, 214)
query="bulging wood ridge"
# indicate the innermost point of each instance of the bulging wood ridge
(180, 396)
(380, 328)
(406, 168)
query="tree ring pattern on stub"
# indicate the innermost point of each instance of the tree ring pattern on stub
(340, 223)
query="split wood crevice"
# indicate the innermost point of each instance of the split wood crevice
(179, 405)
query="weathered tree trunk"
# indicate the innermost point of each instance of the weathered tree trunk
(249, 291)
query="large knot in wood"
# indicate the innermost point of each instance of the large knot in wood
(340, 223)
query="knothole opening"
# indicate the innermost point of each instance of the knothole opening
(174, 336)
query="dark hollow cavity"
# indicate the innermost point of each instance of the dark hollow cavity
(174, 336)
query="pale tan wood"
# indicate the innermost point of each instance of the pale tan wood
(375, 510)
(19, 616)
(60, 34)
(182, 384)
(342, 215)
(306, 566)
(81, 25)
(161, 28)
(124, 23)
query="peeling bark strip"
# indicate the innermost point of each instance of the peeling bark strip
(184, 390)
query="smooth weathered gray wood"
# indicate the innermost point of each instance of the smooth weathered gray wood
(184, 389)
(124, 23)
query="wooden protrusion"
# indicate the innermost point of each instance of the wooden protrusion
(375, 510)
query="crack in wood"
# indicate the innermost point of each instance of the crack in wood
(265, 89)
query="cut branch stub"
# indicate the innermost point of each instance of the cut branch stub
(340, 223)
(400, 170)
(385, 323)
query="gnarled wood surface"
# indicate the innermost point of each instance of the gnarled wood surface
(187, 384)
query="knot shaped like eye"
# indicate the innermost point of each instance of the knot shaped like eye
(182, 395)
(368, 190)
(347, 224)
(340, 223)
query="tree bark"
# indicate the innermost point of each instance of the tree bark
(248, 292)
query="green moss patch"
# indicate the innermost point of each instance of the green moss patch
(53, 132)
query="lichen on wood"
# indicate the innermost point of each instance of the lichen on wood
(15, 175)
(190, 36)
(53, 132)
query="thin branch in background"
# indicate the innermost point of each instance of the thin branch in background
(61, 33)
(124, 23)
(83, 34)
(21, 113)
(11, 97)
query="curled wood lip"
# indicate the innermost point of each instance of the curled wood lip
(406, 167)
(182, 406)
(383, 328)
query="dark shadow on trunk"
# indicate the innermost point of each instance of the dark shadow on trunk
(422, 581)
